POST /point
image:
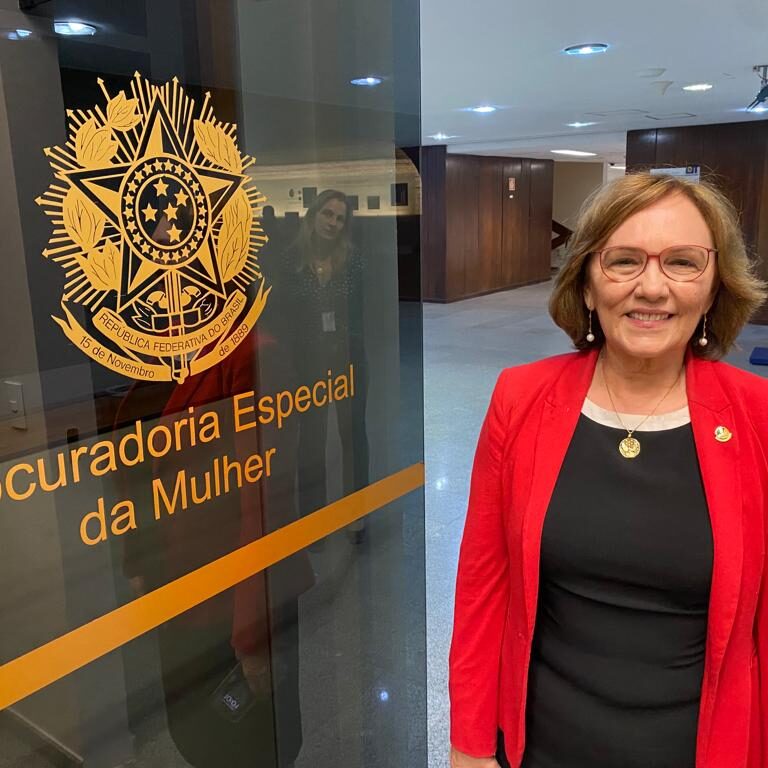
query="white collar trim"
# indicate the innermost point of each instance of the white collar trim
(655, 423)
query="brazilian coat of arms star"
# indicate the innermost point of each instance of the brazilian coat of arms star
(156, 226)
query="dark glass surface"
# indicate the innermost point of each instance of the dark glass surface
(318, 659)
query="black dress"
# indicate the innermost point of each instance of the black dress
(626, 566)
(327, 335)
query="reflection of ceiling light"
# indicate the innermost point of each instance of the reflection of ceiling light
(18, 34)
(579, 125)
(573, 152)
(586, 49)
(441, 136)
(698, 87)
(367, 82)
(483, 109)
(73, 28)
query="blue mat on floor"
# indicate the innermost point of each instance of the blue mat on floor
(759, 356)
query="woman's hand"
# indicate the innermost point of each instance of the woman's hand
(257, 671)
(460, 760)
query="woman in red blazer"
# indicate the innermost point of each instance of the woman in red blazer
(612, 592)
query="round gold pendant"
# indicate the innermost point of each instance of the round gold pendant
(629, 447)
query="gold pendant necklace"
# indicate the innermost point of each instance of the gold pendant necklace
(629, 447)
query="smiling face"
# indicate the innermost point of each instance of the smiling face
(652, 316)
(330, 219)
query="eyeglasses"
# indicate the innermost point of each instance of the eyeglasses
(681, 263)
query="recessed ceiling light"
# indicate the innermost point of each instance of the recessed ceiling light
(586, 49)
(619, 167)
(73, 28)
(580, 125)
(481, 109)
(573, 152)
(698, 87)
(367, 82)
(442, 136)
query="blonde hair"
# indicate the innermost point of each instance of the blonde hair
(739, 292)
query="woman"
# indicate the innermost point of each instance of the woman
(326, 296)
(612, 597)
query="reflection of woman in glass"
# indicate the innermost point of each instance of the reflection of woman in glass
(326, 295)
(230, 665)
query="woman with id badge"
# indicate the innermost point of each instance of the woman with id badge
(326, 287)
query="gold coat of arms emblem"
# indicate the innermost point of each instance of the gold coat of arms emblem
(156, 227)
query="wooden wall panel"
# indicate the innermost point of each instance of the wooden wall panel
(491, 241)
(734, 156)
(461, 222)
(454, 228)
(514, 236)
(641, 146)
(672, 145)
(490, 198)
(539, 257)
(433, 226)
(468, 200)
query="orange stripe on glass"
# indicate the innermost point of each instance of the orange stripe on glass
(42, 666)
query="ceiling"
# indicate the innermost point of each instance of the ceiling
(509, 54)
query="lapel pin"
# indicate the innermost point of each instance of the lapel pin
(723, 434)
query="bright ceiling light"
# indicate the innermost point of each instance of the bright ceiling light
(573, 152)
(698, 87)
(619, 167)
(442, 136)
(482, 109)
(586, 49)
(73, 28)
(367, 82)
(579, 125)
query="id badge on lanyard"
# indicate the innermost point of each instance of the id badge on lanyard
(329, 322)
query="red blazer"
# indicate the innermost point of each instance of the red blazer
(529, 425)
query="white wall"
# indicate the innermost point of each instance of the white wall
(573, 183)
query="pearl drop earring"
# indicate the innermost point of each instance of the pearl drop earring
(703, 341)
(590, 335)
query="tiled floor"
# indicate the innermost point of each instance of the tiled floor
(466, 344)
